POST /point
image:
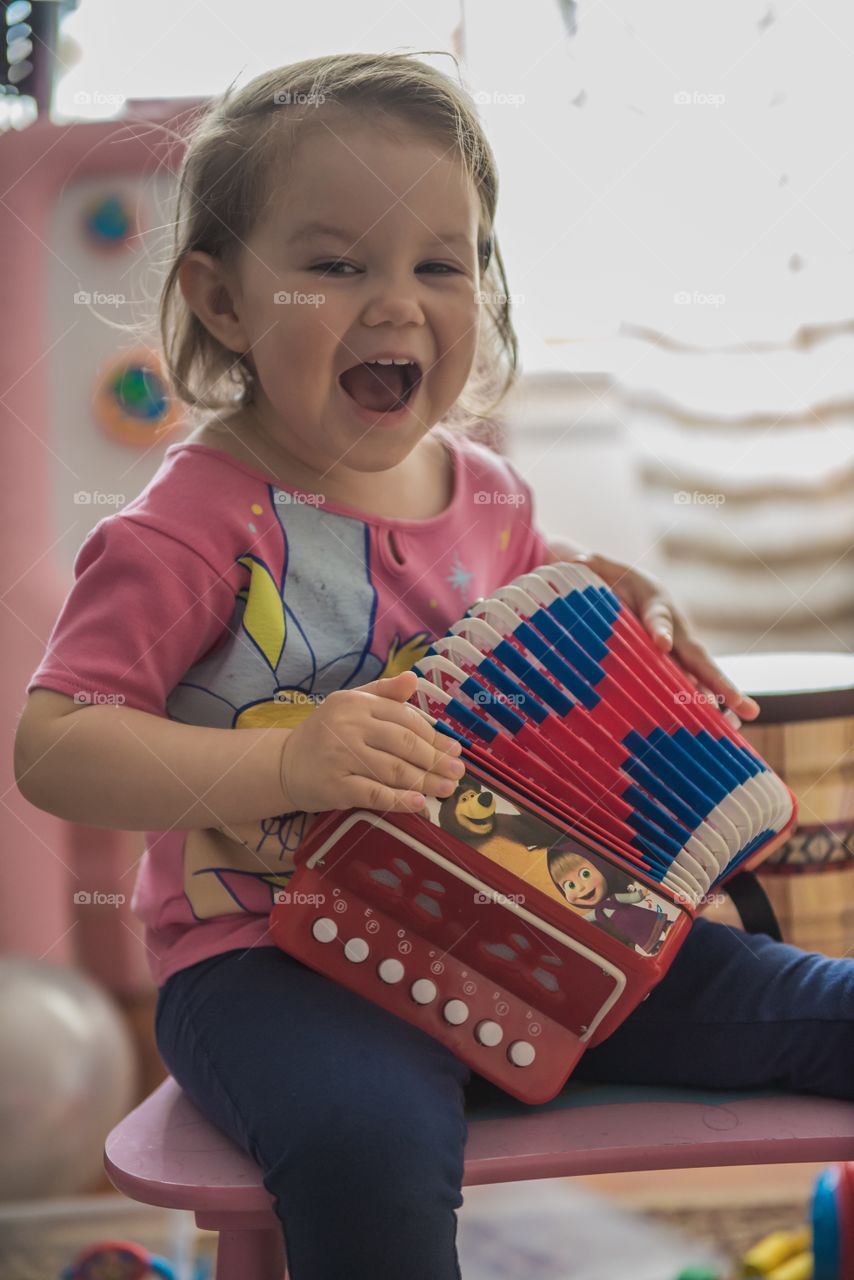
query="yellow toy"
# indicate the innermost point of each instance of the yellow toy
(782, 1255)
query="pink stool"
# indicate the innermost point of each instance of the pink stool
(165, 1153)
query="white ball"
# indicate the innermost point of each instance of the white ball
(68, 1074)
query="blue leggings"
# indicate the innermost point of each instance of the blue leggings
(357, 1119)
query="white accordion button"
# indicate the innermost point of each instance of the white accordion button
(455, 1012)
(324, 930)
(357, 950)
(390, 971)
(489, 1033)
(423, 991)
(521, 1053)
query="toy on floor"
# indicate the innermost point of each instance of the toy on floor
(782, 1255)
(124, 1260)
(833, 1222)
(68, 1073)
(117, 1260)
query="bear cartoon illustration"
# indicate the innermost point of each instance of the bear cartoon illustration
(517, 841)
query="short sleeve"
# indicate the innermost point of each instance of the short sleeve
(143, 608)
(528, 547)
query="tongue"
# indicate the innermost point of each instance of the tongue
(378, 386)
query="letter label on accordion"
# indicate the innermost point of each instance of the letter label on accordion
(564, 867)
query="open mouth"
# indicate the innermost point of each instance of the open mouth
(381, 388)
(585, 897)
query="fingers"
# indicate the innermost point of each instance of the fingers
(399, 741)
(400, 774)
(408, 718)
(396, 688)
(698, 662)
(359, 792)
(658, 620)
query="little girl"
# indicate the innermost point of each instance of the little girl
(336, 307)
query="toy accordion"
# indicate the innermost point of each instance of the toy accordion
(521, 919)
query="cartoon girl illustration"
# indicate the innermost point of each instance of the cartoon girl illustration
(606, 896)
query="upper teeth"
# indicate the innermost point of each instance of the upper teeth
(402, 360)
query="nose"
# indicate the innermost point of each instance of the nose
(393, 300)
(485, 798)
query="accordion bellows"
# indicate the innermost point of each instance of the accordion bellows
(521, 919)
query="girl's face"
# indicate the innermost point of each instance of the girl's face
(398, 276)
(585, 887)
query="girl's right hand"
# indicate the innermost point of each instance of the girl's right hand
(364, 747)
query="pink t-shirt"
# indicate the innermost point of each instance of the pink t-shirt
(219, 598)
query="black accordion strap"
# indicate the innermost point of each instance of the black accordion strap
(752, 904)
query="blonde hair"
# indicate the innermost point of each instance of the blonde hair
(224, 187)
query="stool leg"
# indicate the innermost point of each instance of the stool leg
(250, 1255)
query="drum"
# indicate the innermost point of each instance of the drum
(805, 731)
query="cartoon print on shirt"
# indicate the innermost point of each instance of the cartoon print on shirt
(298, 632)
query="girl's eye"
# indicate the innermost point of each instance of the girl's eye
(570, 884)
(326, 267)
(321, 266)
(585, 875)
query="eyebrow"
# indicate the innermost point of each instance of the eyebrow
(315, 229)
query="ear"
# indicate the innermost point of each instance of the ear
(212, 293)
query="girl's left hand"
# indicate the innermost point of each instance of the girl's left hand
(651, 602)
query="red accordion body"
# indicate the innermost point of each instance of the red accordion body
(472, 921)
